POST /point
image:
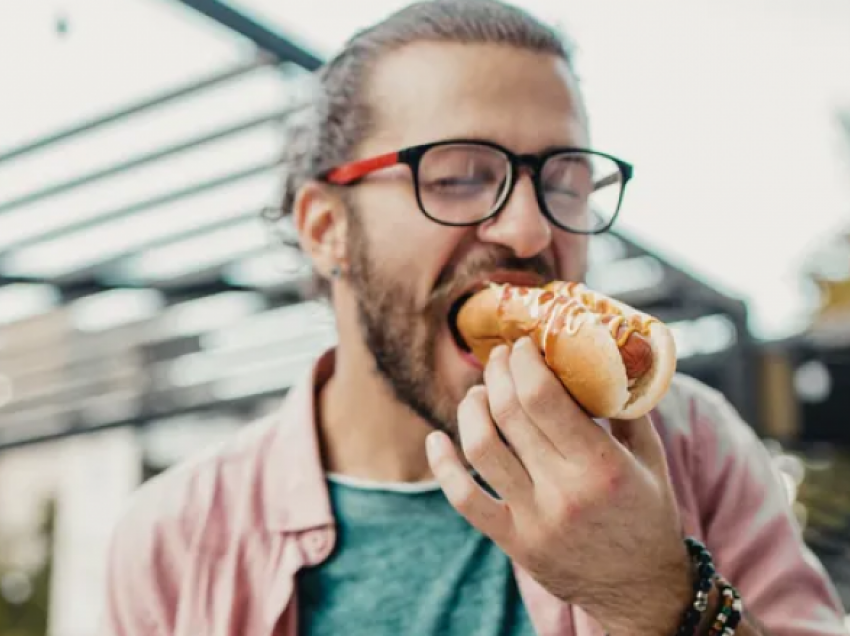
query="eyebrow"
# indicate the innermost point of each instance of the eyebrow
(554, 147)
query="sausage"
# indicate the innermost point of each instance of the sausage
(634, 347)
(630, 334)
(636, 353)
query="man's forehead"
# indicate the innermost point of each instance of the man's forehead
(430, 91)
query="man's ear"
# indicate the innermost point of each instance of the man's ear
(321, 223)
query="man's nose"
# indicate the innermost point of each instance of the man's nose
(520, 225)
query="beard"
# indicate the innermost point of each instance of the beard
(401, 333)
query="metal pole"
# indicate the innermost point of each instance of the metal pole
(158, 100)
(147, 204)
(136, 162)
(8, 441)
(266, 39)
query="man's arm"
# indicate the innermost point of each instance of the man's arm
(751, 531)
(140, 576)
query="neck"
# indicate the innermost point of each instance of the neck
(365, 432)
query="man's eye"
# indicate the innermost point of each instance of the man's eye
(566, 191)
(460, 184)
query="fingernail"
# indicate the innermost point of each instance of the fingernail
(525, 342)
(475, 390)
(432, 443)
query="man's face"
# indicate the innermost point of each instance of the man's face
(406, 270)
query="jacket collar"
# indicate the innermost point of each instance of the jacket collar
(294, 491)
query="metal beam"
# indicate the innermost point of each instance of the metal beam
(193, 287)
(9, 441)
(266, 39)
(115, 259)
(142, 160)
(186, 288)
(147, 204)
(158, 100)
(688, 287)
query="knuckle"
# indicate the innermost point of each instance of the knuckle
(463, 498)
(540, 396)
(572, 511)
(566, 510)
(479, 444)
(505, 407)
(610, 483)
(613, 482)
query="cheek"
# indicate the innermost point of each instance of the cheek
(571, 255)
(402, 239)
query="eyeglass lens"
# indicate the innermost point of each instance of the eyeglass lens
(465, 183)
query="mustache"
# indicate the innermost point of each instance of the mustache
(477, 266)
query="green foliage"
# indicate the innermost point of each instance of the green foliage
(30, 617)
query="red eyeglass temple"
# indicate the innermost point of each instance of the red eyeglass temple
(349, 172)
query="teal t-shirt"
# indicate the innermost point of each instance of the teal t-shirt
(407, 564)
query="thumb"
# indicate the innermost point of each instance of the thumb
(641, 438)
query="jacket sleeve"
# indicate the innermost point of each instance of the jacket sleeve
(750, 528)
(140, 575)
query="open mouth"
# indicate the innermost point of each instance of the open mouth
(454, 310)
(522, 278)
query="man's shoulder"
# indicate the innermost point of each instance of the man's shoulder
(685, 395)
(693, 413)
(709, 446)
(191, 494)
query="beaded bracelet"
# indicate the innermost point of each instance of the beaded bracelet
(705, 573)
(730, 613)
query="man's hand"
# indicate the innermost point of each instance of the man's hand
(590, 514)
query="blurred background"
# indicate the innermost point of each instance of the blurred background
(146, 312)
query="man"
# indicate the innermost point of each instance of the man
(449, 144)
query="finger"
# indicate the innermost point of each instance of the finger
(546, 401)
(641, 438)
(526, 439)
(485, 450)
(488, 515)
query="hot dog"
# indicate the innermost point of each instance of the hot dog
(616, 361)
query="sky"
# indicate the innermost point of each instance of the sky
(726, 109)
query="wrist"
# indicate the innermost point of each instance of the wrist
(683, 606)
(659, 609)
(716, 608)
(692, 600)
(714, 605)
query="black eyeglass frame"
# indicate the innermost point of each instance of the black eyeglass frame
(350, 174)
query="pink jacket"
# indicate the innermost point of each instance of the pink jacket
(212, 546)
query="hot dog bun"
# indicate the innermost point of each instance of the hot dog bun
(616, 361)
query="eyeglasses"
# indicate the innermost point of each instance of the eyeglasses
(465, 182)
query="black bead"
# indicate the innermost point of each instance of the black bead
(706, 570)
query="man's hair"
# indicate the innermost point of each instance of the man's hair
(338, 118)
